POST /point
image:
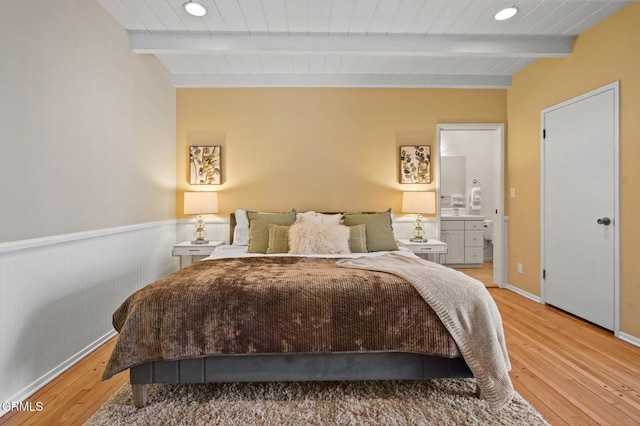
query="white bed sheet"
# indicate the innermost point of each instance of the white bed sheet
(235, 251)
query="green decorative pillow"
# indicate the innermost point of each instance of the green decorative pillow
(259, 228)
(379, 232)
(278, 239)
(358, 238)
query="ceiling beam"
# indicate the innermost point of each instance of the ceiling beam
(163, 42)
(342, 80)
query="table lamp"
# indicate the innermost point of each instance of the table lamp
(200, 203)
(418, 202)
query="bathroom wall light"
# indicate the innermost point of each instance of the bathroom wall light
(195, 9)
(506, 13)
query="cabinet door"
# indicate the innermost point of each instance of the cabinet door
(455, 246)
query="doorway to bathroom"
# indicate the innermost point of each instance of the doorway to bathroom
(470, 184)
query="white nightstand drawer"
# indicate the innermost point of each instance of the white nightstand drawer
(193, 250)
(428, 249)
(432, 246)
(189, 252)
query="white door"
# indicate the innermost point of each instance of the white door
(579, 168)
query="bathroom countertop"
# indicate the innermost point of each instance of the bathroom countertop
(461, 217)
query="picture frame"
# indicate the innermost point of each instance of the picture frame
(415, 164)
(205, 165)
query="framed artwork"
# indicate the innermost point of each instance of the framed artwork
(415, 164)
(204, 165)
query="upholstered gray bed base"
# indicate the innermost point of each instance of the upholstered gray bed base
(298, 367)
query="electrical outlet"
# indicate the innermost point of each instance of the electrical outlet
(519, 268)
(513, 192)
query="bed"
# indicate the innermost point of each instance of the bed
(254, 317)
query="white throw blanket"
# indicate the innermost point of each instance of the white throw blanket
(466, 309)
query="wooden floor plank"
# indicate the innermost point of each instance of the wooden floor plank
(484, 274)
(554, 376)
(551, 403)
(615, 371)
(74, 396)
(570, 370)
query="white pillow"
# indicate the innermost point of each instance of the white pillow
(318, 238)
(309, 217)
(313, 217)
(331, 219)
(241, 231)
(393, 222)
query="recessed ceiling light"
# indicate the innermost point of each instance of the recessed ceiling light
(195, 9)
(506, 13)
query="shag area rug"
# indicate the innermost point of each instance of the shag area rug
(438, 402)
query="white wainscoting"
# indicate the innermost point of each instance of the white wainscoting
(58, 295)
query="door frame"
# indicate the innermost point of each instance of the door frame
(615, 86)
(499, 261)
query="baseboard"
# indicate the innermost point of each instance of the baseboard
(39, 383)
(523, 293)
(629, 338)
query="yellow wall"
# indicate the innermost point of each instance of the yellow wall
(607, 52)
(323, 149)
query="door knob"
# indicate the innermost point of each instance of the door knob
(604, 221)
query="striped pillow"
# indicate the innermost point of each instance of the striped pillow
(278, 239)
(358, 238)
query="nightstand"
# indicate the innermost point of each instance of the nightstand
(430, 250)
(189, 252)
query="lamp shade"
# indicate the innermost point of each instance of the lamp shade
(420, 202)
(200, 202)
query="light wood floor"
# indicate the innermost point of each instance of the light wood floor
(571, 371)
(484, 274)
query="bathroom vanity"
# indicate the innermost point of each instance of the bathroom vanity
(464, 236)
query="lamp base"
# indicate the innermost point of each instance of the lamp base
(418, 232)
(200, 234)
(200, 242)
(418, 240)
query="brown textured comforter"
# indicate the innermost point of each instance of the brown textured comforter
(265, 305)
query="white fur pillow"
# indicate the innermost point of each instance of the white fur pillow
(318, 238)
